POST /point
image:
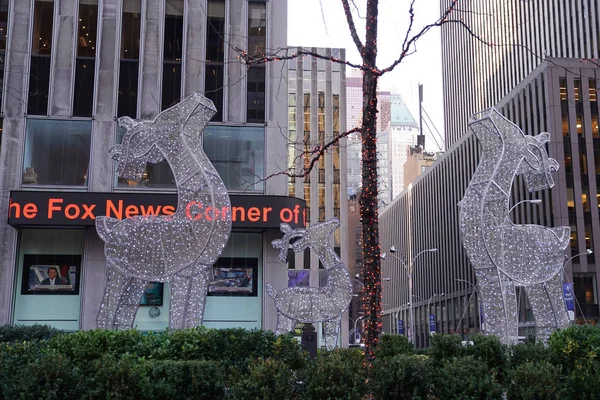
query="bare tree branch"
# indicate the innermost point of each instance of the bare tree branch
(352, 27)
(283, 54)
(315, 154)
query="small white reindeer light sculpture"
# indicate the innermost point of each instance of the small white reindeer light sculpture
(324, 304)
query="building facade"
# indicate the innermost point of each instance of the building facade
(316, 110)
(559, 97)
(522, 34)
(403, 135)
(70, 69)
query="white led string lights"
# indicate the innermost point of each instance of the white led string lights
(505, 255)
(324, 304)
(180, 248)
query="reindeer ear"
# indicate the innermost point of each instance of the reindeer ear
(285, 228)
(277, 243)
(126, 122)
(543, 137)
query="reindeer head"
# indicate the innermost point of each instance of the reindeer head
(536, 166)
(146, 141)
(298, 240)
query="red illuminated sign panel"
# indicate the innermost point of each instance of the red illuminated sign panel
(71, 208)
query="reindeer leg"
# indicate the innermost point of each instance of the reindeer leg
(129, 303)
(180, 291)
(197, 296)
(284, 324)
(112, 296)
(188, 296)
(548, 307)
(332, 330)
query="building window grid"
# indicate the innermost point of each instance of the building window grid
(85, 59)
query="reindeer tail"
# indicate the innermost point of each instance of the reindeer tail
(270, 291)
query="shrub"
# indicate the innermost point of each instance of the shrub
(465, 378)
(268, 379)
(525, 352)
(574, 346)
(84, 346)
(533, 380)
(19, 333)
(15, 359)
(393, 345)
(583, 382)
(336, 374)
(175, 379)
(403, 376)
(491, 352)
(445, 346)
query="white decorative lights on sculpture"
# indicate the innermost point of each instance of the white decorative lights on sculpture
(180, 248)
(311, 304)
(505, 255)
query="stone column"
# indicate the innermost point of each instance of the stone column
(16, 82)
(151, 58)
(195, 46)
(235, 84)
(60, 100)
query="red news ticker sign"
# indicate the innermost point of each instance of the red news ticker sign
(82, 208)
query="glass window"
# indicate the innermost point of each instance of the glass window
(156, 176)
(56, 152)
(215, 55)
(48, 273)
(237, 271)
(39, 74)
(257, 42)
(238, 155)
(130, 54)
(584, 286)
(83, 99)
(3, 37)
(173, 45)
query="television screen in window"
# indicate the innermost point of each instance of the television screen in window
(153, 295)
(55, 274)
(234, 277)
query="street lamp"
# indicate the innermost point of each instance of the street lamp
(467, 306)
(354, 330)
(532, 201)
(408, 268)
(570, 302)
(429, 309)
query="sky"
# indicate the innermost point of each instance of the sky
(322, 23)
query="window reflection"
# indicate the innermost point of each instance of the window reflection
(130, 53)
(173, 50)
(584, 286)
(237, 153)
(56, 152)
(85, 64)
(215, 54)
(257, 41)
(156, 176)
(39, 74)
(3, 37)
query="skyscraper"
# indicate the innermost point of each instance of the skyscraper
(71, 69)
(522, 34)
(404, 131)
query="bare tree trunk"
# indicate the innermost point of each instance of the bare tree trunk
(369, 193)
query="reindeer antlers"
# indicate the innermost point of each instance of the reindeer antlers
(284, 243)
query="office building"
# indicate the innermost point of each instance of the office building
(559, 97)
(477, 76)
(404, 131)
(70, 69)
(316, 110)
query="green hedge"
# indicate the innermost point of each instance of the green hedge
(42, 363)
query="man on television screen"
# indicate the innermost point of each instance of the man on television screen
(53, 279)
